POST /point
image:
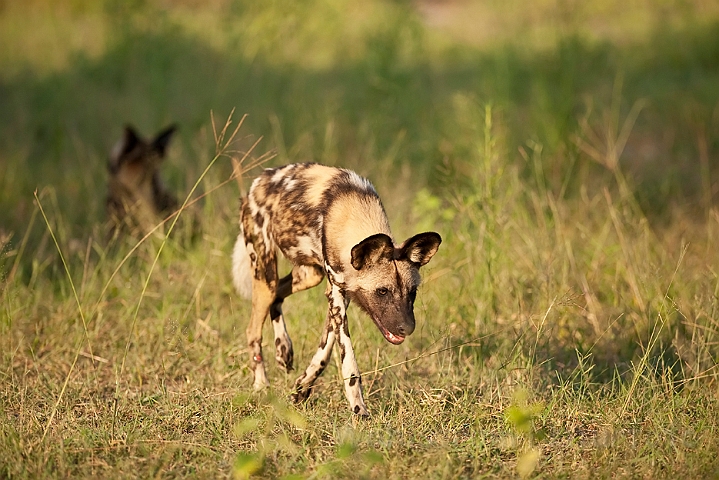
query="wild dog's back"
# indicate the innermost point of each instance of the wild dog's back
(298, 204)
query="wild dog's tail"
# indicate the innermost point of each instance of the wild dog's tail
(242, 267)
(241, 262)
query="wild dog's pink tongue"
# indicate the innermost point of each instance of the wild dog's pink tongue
(392, 338)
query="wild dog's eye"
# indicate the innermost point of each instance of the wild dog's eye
(382, 291)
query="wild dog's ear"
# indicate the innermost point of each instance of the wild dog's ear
(159, 144)
(371, 250)
(130, 139)
(421, 248)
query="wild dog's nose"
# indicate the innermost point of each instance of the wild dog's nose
(405, 330)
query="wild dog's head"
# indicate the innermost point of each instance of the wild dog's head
(137, 198)
(387, 278)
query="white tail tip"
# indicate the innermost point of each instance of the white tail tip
(242, 268)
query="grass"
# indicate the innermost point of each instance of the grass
(567, 328)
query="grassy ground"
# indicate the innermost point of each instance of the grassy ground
(568, 327)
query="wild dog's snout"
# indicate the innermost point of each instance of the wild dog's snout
(398, 319)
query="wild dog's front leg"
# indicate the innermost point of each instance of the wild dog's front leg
(303, 384)
(335, 328)
(352, 379)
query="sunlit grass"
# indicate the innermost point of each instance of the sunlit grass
(539, 25)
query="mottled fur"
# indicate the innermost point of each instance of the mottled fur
(326, 221)
(137, 199)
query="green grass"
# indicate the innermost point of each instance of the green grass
(568, 326)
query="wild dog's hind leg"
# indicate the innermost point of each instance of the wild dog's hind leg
(301, 278)
(263, 291)
(264, 288)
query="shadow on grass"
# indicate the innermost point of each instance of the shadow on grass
(58, 129)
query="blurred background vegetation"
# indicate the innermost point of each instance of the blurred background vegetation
(377, 86)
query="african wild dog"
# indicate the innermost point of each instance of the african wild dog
(326, 221)
(137, 200)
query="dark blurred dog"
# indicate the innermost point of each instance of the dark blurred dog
(137, 199)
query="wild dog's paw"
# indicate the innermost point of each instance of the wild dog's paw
(284, 353)
(301, 392)
(258, 368)
(361, 411)
(260, 382)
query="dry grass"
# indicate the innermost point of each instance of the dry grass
(567, 327)
(555, 338)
